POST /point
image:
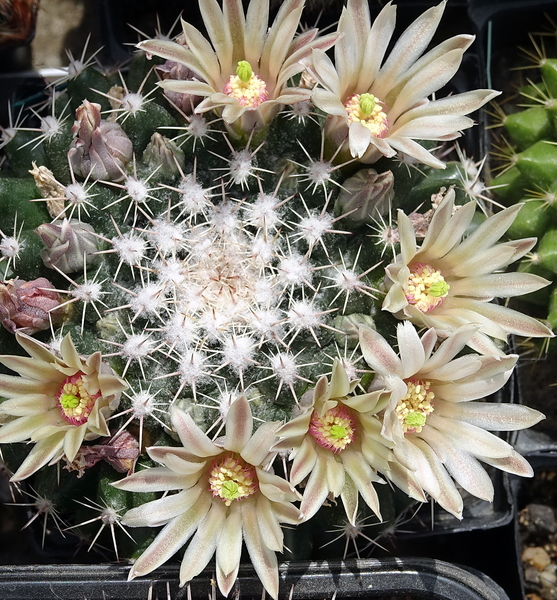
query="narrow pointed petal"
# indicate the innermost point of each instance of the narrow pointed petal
(412, 355)
(275, 488)
(264, 561)
(155, 479)
(490, 416)
(219, 34)
(415, 150)
(514, 464)
(461, 465)
(190, 435)
(448, 496)
(377, 43)
(73, 440)
(316, 490)
(174, 535)
(239, 425)
(31, 368)
(258, 447)
(34, 349)
(470, 438)
(204, 543)
(271, 533)
(257, 19)
(349, 497)
(362, 476)
(229, 550)
(303, 462)
(378, 354)
(408, 48)
(359, 139)
(12, 386)
(159, 512)
(43, 452)
(23, 428)
(30, 404)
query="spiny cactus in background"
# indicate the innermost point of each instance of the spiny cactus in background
(204, 271)
(526, 163)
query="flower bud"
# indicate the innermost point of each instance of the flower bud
(350, 325)
(163, 154)
(365, 196)
(29, 306)
(101, 149)
(70, 245)
(184, 102)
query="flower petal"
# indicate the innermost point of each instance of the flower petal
(73, 440)
(159, 512)
(155, 479)
(229, 550)
(258, 447)
(174, 535)
(190, 435)
(239, 425)
(41, 454)
(489, 415)
(263, 560)
(378, 354)
(204, 543)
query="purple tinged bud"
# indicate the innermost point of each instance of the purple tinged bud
(101, 149)
(29, 306)
(70, 245)
(365, 196)
(184, 102)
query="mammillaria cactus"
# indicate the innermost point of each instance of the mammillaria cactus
(225, 284)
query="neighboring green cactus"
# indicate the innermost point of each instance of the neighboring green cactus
(529, 175)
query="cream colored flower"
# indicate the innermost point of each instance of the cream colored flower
(337, 442)
(437, 428)
(377, 105)
(450, 280)
(56, 402)
(225, 493)
(244, 70)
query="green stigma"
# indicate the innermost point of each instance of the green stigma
(337, 432)
(415, 419)
(244, 71)
(230, 490)
(68, 401)
(367, 104)
(439, 289)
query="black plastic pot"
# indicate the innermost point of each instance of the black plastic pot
(408, 578)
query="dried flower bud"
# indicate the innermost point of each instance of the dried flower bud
(120, 451)
(365, 196)
(184, 102)
(29, 306)
(51, 189)
(70, 245)
(163, 154)
(101, 149)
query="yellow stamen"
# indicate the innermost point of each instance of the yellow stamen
(334, 430)
(246, 87)
(412, 410)
(367, 110)
(231, 478)
(426, 287)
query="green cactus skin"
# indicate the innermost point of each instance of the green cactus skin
(529, 126)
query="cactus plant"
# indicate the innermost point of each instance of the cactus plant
(205, 275)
